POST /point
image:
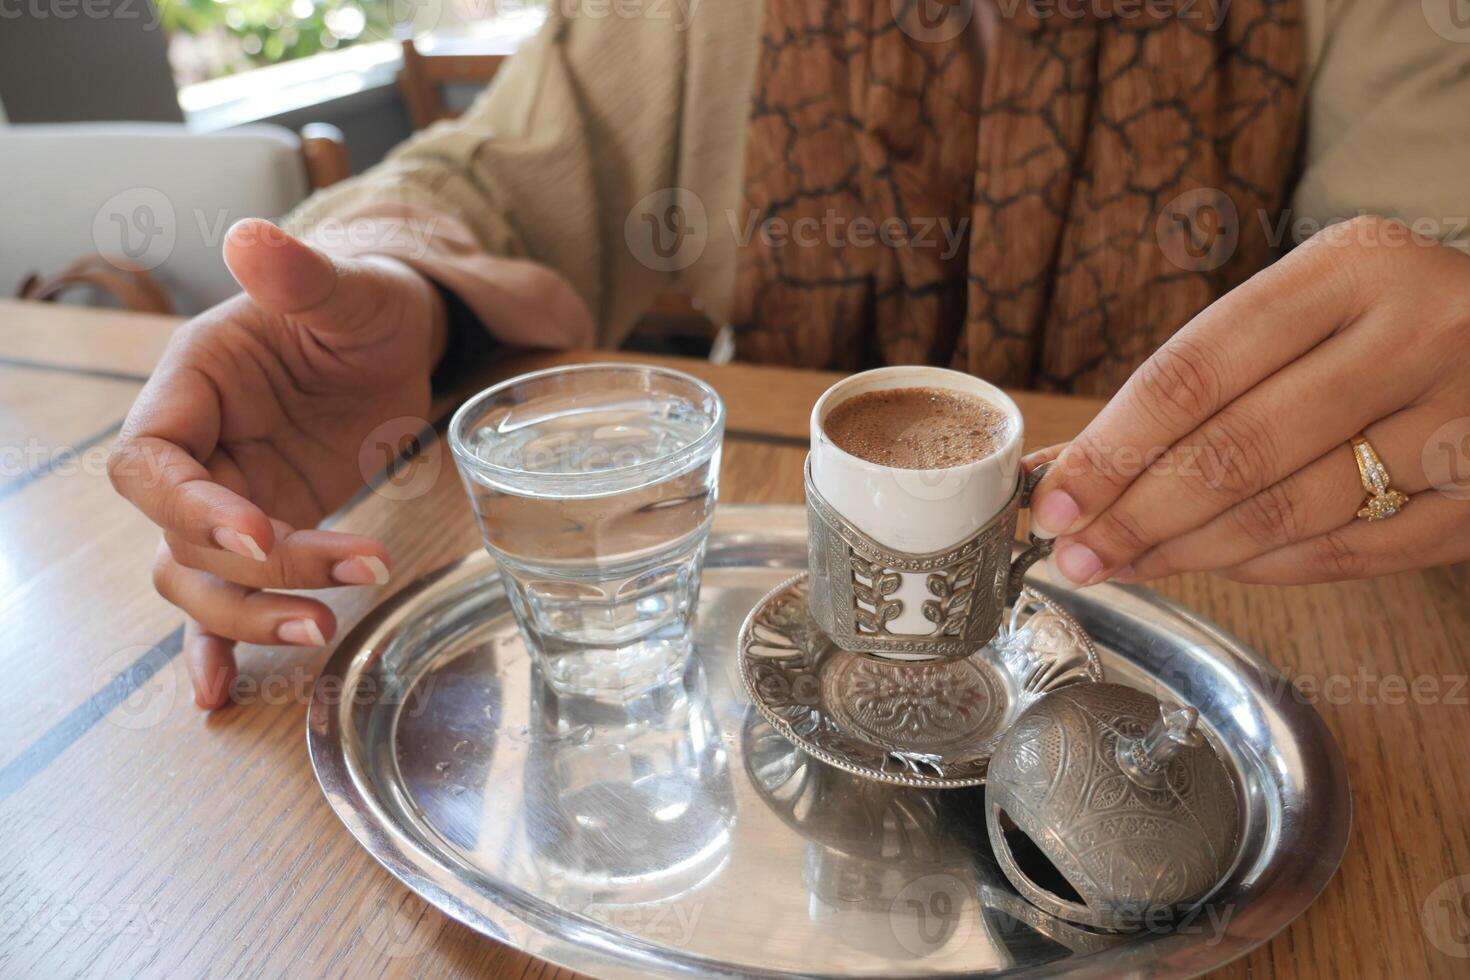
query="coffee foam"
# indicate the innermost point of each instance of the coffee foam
(917, 428)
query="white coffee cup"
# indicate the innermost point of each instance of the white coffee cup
(909, 510)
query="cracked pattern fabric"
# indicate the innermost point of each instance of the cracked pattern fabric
(1041, 203)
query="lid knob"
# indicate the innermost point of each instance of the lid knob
(1146, 760)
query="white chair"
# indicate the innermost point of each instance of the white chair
(149, 196)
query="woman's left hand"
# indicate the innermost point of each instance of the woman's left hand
(1228, 450)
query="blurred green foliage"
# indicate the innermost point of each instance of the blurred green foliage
(267, 32)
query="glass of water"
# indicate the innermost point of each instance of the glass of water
(594, 487)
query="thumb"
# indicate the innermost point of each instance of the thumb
(287, 277)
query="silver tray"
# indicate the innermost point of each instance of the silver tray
(682, 836)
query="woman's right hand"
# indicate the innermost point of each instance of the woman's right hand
(248, 433)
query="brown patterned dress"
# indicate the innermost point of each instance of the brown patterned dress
(1041, 201)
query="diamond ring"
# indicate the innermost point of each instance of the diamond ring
(1383, 500)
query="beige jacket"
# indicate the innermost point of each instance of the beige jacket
(617, 100)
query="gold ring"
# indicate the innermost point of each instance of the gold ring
(1383, 500)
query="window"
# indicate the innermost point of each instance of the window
(210, 39)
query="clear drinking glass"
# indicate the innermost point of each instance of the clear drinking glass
(594, 487)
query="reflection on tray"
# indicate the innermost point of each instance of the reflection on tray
(629, 799)
(908, 867)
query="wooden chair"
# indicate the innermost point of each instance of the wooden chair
(450, 61)
(673, 324)
(325, 151)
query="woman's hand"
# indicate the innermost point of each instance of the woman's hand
(247, 435)
(1228, 450)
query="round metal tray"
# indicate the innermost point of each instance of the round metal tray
(681, 835)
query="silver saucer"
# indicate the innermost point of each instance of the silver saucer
(930, 724)
(680, 835)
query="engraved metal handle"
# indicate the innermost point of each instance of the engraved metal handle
(1145, 760)
(1037, 547)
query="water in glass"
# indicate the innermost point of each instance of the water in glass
(596, 498)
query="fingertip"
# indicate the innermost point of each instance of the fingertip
(280, 272)
(238, 543)
(361, 570)
(1078, 564)
(313, 630)
(211, 663)
(1055, 512)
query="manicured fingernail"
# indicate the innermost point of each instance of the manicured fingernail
(236, 543)
(1078, 563)
(362, 570)
(1054, 513)
(301, 633)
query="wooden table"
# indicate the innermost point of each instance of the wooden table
(142, 836)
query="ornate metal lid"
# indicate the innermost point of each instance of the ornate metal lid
(1133, 810)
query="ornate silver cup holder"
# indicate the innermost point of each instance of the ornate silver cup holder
(932, 723)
